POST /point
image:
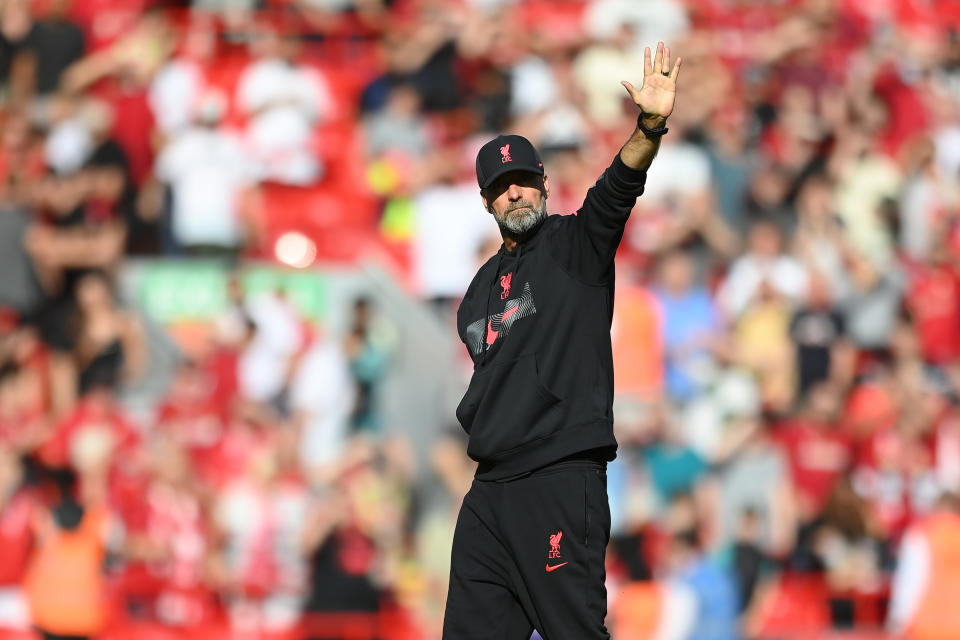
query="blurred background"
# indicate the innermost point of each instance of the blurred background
(233, 235)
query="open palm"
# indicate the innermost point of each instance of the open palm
(659, 91)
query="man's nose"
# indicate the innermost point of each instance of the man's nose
(514, 192)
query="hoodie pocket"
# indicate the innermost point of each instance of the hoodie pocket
(506, 407)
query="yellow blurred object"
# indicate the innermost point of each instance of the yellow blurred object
(384, 177)
(397, 222)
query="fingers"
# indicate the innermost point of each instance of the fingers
(630, 89)
(676, 70)
(660, 64)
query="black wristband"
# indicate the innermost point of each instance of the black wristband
(650, 133)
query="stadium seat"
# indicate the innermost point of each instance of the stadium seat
(796, 608)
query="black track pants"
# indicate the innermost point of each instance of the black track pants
(529, 553)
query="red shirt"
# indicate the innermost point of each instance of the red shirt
(736, 25)
(133, 125)
(229, 461)
(193, 417)
(175, 520)
(933, 298)
(562, 20)
(105, 21)
(937, 15)
(907, 111)
(869, 408)
(90, 414)
(818, 455)
(896, 476)
(16, 538)
(24, 411)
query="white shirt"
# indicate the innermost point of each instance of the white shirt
(207, 170)
(947, 150)
(263, 365)
(681, 168)
(68, 146)
(652, 20)
(450, 225)
(322, 389)
(284, 102)
(174, 93)
(909, 580)
(533, 86)
(269, 82)
(785, 274)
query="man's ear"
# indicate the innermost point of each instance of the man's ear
(483, 198)
(546, 186)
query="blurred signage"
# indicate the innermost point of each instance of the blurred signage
(191, 291)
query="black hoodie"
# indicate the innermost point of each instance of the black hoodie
(542, 386)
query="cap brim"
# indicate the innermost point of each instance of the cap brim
(507, 169)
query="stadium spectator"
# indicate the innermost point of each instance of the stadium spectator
(369, 346)
(190, 415)
(436, 505)
(818, 454)
(691, 326)
(678, 209)
(925, 575)
(818, 330)
(398, 127)
(65, 584)
(275, 342)
(674, 467)
(38, 386)
(596, 67)
(177, 87)
(754, 506)
(51, 44)
(172, 537)
(637, 339)
(16, 539)
(713, 587)
(323, 412)
(119, 75)
(110, 346)
(849, 550)
(444, 257)
(284, 101)
(208, 175)
(261, 517)
(766, 266)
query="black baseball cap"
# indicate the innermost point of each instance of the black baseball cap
(506, 153)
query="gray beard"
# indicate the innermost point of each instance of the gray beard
(517, 224)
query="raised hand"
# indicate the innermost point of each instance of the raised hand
(659, 91)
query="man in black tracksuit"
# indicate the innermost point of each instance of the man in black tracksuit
(530, 541)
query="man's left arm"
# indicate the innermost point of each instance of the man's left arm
(655, 100)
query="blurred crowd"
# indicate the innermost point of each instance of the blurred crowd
(786, 332)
